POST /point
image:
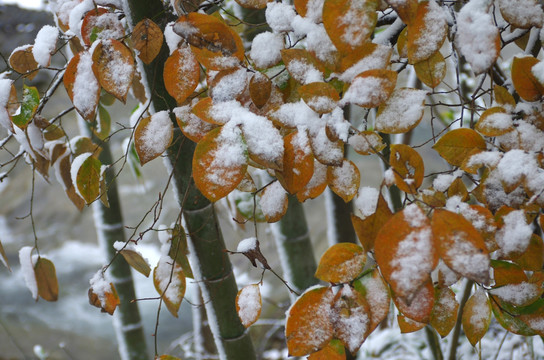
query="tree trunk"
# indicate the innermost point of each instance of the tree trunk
(209, 260)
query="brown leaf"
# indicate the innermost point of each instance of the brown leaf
(115, 67)
(260, 88)
(147, 38)
(298, 162)
(22, 61)
(420, 306)
(350, 318)
(525, 82)
(444, 314)
(476, 316)
(341, 263)
(46, 278)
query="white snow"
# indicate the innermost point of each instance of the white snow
(100, 286)
(249, 302)
(476, 35)
(481, 311)
(45, 44)
(466, 259)
(168, 278)
(303, 71)
(229, 86)
(366, 91)
(273, 199)
(517, 294)
(5, 90)
(414, 216)
(247, 245)
(351, 329)
(279, 16)
(515, 234)
(443, 181)
(157, 134)
(266, 49)
(355, 22)
(523, 12)
(27, 261)
(538, 71)
(366, 201)
(85, 89)
(172, 39)
(317, 41)
(433, 31)
(378, 59)
(403, 110)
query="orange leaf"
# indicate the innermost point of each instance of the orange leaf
(505, 273)
(309, 327)
(371, 88)
(349, 23)
(405, 9)
(476, 316)
(228, 84)
(431, 71)
(367, 142)
(100, 24)
(370, 56)
(525, 82)
(220, 162)
(253, 4)
(204, 110)
(405, 251)
(420, 306)
(181, 74)
(494, 121)
(103, 294)
(169, 281)
(321, 97)
(427, 32)
(460, 245)
(407, 167)
(407, 325)
(115, 67)
(190, 124)
(401, 112)
(153, 136)
(260, 88)
(376, 293)
(214, 43)
(444, 314)
(298, 162)
(344, 180)
(350, 318)
(367, 229)
(533, 258)
(22, 61)
(503, 97)
(249, 304)
(81, 83)
(459, 144)
(316, 185)
(341, 263)
(147, 38)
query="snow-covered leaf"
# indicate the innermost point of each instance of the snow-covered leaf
(522, 13)
(249, 304)
(316, 185)
(526, 84)
(302, 66)
(274, 202)
(420, 306)
(401, 112)
(476, 316)
(495, 121)
(46, 278)
(350, 317)
(344, 180)
(102, 294)
(406, 9)
(147, 38)
(321, 97)
(27, 261)
(405, 252)
(100, 24)
(507, 320)
(408, 167)
(220, 162)
(444, 314)
(371, 88)
(407, 325)
(115, 67)
(367, 142)
(370, 56)
(29, 104)
(333, 351)
(309, 326)
(190, 124)
(45, 45)
(341, 263)
(181, 74)
(427, 32)
(153, 136)
(81, 83)
(533, 258)
(460, 245)
(349, 23)
(376, 294)
(169, 281)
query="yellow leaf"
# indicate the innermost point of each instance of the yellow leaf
(341, 263)
(444, 314)
(367, 229)
(525, 82)
(427, 32)
(333, 351)
(376, 293)
(405, 9)
(321, 97)
(407, 325)
(476, 316)
(367, 142)
(136, 260)
(88, 177)
(100, 24)
(457, 145)
(147, 38)
(407, 166)
(431, 71)
(494, 121)
(344, 180)
(350, 307)
(169, 281)
(22, 61)
(371, 88)
(191, 125)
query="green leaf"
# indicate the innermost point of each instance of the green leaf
(102, 126)
(88, 179)
(31, 99)
(136, 260)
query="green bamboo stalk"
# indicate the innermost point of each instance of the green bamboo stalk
(109, 228)
(209, 259)
(295, 248)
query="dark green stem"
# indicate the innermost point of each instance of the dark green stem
(434, 343)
